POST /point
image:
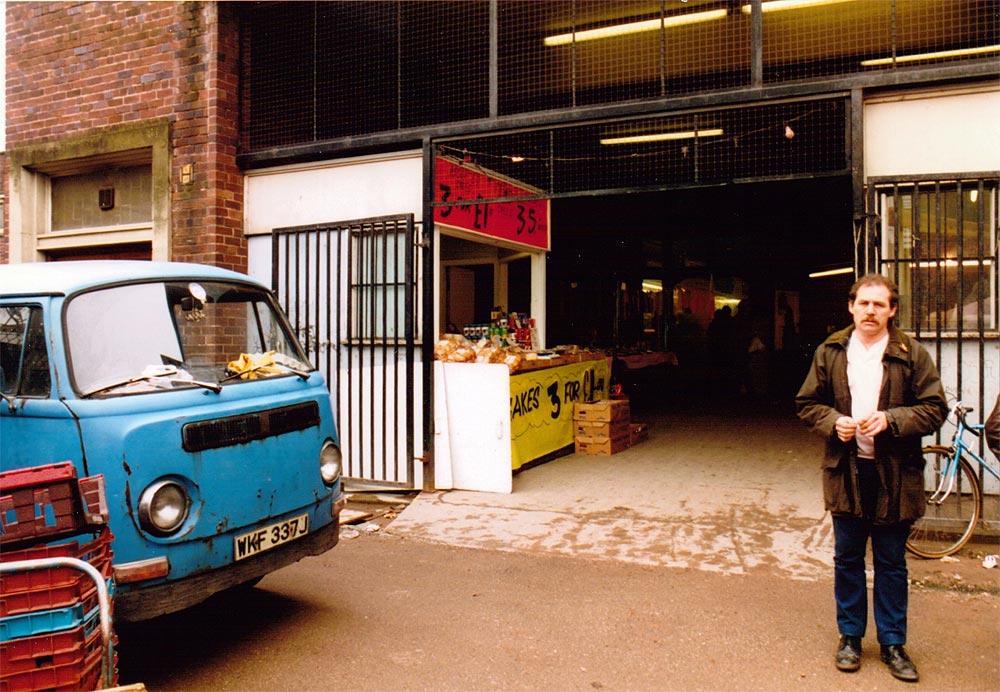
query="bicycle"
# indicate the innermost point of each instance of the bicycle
(955, 504)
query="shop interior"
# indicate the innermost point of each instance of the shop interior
(698, 293)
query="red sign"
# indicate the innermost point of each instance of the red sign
(524, 222)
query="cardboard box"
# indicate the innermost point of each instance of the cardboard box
(603, 446)
(606, 410)
(637, 433)
(600, 429)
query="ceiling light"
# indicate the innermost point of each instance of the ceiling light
(930, 264)
(661, 136)
(938, 55)
(633, 27)
(778, 5)
(831, 272)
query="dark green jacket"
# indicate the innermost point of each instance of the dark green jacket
(915, 405)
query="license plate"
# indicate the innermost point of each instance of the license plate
(267, 537)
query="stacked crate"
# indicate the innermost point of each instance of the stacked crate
(602, 427)
(50, 634)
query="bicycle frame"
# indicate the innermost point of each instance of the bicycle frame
(958, 447)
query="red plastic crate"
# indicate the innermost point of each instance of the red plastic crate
(95, 504)
(40, 502)
(94, 551)
(52, 649)
(79, 675)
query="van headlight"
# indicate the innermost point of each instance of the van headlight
(329, 463)
(163, 507)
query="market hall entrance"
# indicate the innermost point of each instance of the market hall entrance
(703, 295)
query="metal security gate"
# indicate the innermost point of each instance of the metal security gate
(937, 238)
(349, 290)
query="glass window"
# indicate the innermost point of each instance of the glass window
(154, 336)
(24, 360)
(939, 245)
(379, 286)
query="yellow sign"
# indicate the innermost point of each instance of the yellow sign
(541, 406)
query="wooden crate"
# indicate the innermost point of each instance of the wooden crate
(600, 428)
(606, 410)
(603, 446)
(637, 433)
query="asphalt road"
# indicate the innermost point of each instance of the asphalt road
(382, 612)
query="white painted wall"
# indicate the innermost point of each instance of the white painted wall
(921, 133)
(356, 188)
(327, 193)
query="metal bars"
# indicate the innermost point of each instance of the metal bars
(348, 289)
(939, 243)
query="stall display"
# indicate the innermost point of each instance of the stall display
(498, 407)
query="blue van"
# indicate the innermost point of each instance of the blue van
(185, 387)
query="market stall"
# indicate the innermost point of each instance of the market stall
(490, 421)
(500, 399)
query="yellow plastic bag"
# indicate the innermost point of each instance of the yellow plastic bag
(250, 366)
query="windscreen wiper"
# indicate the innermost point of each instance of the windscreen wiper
(165, 373)
(301, 373)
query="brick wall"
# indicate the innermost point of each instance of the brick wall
(74, 68)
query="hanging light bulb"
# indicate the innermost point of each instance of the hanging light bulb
(789, 132)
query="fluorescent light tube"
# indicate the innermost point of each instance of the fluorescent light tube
(778, 5)
(634, 27)
(661, 136)
(938, 55)
(831, 272)
(930, 264)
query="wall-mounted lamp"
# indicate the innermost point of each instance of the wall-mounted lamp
(187, 173)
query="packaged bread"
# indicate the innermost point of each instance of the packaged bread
(513, 361)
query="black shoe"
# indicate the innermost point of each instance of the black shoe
(899, 663)
(849, 653)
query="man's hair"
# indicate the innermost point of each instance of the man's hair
(876, 280)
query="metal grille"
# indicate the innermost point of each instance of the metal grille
(938, 242)
(235, 430)
(316, 71)
(349, 290)
(328, 70)
(547, 58)
(710, 147)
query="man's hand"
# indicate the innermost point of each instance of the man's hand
(845, 427)
(873, 424)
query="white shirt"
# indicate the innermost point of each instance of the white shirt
(864, 377)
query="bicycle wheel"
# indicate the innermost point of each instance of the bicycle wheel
(946, 527)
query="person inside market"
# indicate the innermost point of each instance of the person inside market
(872, 393)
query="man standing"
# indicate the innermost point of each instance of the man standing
(872, 393)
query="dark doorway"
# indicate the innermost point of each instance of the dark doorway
(718, 277)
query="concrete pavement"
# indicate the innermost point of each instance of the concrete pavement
(730, 492)
(716, 492)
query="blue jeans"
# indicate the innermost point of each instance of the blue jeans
(851, 536)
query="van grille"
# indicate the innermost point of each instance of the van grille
(236, 430)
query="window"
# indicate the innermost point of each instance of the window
(24, 362)
(939, 245)
(379, 283)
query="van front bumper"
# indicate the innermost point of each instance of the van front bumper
(152, 601)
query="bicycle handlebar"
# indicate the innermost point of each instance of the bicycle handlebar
(960, 413)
